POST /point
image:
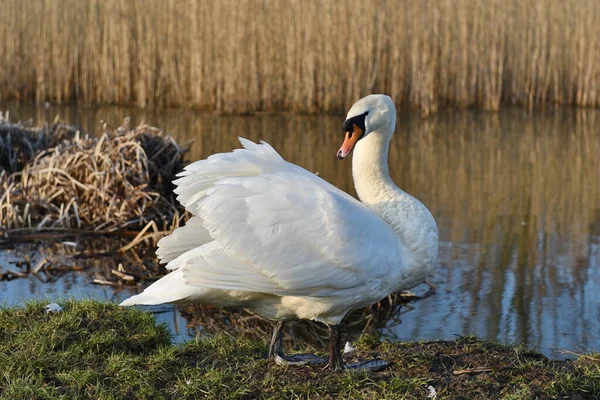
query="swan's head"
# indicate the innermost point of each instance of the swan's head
(368, 115)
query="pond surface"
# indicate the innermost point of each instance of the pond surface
(516, 197)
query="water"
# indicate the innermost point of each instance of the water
(516, 198)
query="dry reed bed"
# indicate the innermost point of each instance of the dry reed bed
(119, 180)
(311, 56)
(19, 143)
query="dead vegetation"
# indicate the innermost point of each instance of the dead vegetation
(58, 179)
(19, 143)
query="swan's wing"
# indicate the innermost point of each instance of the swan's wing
(183, 239)
(282, 229)
(201, 175)
(198, 177)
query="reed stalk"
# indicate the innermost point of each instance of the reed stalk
(308, 56)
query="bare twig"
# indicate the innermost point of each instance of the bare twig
(476, 370)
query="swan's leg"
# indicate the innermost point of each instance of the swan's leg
(336, 363)
(276, 346)
(276, 351)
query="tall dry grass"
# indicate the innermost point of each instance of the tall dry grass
(247, 55)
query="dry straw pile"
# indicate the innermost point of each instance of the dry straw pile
(118, 180)
(313, 56)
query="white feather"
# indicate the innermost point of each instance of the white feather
(183, 239)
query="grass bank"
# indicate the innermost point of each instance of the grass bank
(311, 56)
(98, 350)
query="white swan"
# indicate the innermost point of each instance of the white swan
(274, 238)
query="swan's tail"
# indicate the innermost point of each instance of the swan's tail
(169, 289)
(140, 299)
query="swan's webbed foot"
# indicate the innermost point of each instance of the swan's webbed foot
(336, 363)
(276, 351)
(299, 359)
(374, 365)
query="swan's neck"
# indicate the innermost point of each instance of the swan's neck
(370, 170)
(411, 220)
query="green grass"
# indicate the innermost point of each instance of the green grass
(98, 350)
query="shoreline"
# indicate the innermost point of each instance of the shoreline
(99, 350)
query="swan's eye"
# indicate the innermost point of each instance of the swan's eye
(359, 121)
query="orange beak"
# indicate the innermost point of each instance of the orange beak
(349, 141)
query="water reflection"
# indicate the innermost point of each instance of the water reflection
(516, 198)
